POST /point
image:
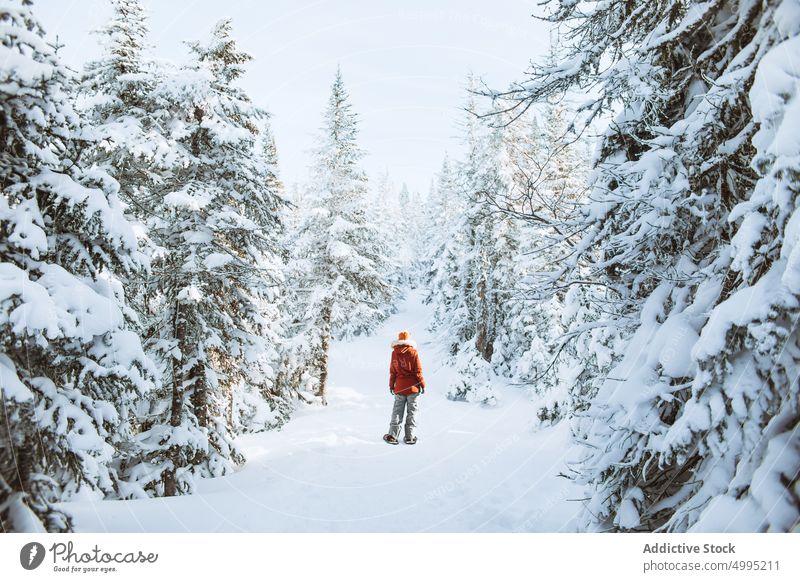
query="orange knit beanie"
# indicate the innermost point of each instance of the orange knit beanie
(403, 335)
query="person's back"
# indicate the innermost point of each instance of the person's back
(406, 384)
(405, 372)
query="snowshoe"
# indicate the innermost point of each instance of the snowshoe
(411, 441)
(390, 439)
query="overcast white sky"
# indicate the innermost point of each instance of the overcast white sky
(404, 63)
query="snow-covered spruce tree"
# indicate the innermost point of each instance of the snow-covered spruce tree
(457, 264)
(383, 196)
(116, 90)
(408, 238)
(748, 351)
(442, 200)
(564, 353)
(564, 169)
(269, 152)
(295, 373)
(404, 197)
(482, 266)
(339, 257)
(444, 248)
(529, 324)
(499, 246)
(69, 365)
(491, 350)
(216, 226)
(120, 96)
(131, 143)
(690, 236)
(262, 401)
(581, 354)
(385, 214)
(484, 288)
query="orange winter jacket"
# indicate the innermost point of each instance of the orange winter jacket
(405, 371)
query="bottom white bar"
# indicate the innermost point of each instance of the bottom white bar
(401, 557)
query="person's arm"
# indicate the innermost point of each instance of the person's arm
(421, 380)
(392, 372)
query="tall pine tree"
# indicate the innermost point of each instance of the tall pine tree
(217, 228)
(70, 366)
(339, 255)
(688, 243)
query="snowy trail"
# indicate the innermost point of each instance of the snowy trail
(327, 470)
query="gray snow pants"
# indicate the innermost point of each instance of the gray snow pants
(401, 402)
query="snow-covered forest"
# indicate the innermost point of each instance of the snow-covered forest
(605, 278)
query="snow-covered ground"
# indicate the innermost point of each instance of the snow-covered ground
(473, 469)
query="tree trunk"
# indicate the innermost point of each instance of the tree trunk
(199, 395)
(325, 342)
(170, 483)
(482, 331)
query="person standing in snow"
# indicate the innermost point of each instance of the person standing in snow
(406, 383)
